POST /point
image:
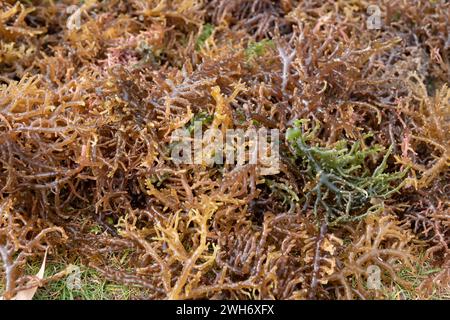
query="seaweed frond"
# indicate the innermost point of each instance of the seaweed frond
(340, 178)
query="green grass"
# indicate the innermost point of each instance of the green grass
(258, 49)
(415, 277)
(93, 286)
(206, 32)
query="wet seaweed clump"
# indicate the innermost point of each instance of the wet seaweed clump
(92, 93)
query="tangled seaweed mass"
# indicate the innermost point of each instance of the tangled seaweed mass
(91, 91)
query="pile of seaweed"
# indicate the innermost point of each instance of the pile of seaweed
(91, 91)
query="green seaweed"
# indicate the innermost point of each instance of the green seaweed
(258, 49)
(206, 32)
(341, 181)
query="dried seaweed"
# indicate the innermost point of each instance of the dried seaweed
(91, 93)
